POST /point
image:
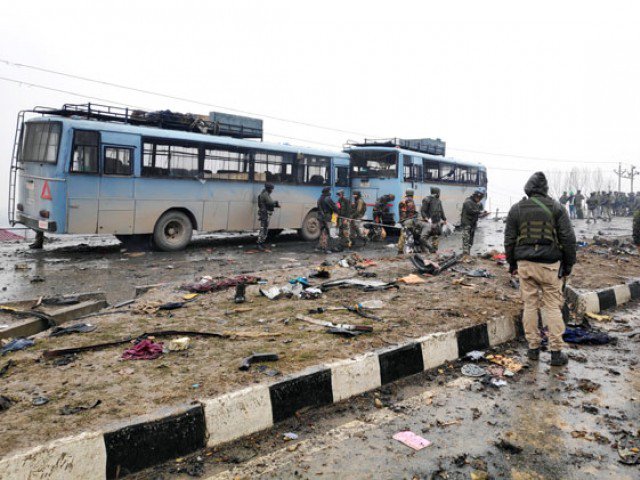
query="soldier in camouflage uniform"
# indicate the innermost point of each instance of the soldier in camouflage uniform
(358, 211)
(326, 209)
(266, 206)
(344, 220)
(472, 210)
(410, 222)
(433, 213)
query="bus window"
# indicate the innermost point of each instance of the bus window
(462, 174)
(312, 170)
(342, 176)
(412, 172)
(41, 142)
(447, 172)
(117, 161)
(374, 164)
(162, 160)
(472, 176)
(273, 167)
(226, 164)
(85, 152)
(482, 178)
(431, 170)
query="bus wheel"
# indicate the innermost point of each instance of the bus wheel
(172, 231)
(310, 230)
(135, 243)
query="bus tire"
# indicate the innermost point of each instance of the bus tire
(310, 230)
(173, 231)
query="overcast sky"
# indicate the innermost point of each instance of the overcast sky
(554, 80)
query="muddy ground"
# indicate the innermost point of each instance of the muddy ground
(546, 423)
(210, 366)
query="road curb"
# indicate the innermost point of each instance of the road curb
(174, 432)
(606, 298)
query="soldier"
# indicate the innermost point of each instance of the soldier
(326, 209)
(592, 208)
(433, 213)
(266, 206)
(572, 205)
(607, 200)
(630, 203)
(471, 212)
(408, 213)
(381, 210)
(344, 219)
(578, 203)
(358, 211)
(540, 245)
(564, 199)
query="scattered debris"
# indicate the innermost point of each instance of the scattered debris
(290, 436)
(587, 385)
(590, 408)
(475, 355)
(179, 344)
(473, 370)
(342, 326)
(66, 360)
(412, 279)
(508, 363)
(5, 368)
(207, 284)
(431, 268)
(412, 440)
(580, 335)
(38, 401)
(17, 344)
(591, 437)
(143, 350)
(256, 358)
(599, 318)
(366, 285)
(508, 447)
(477, 273)
(72, 410)
(5, 403)
(77, 328)
(628, 446)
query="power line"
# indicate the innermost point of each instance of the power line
(273, 117)
(100, 99)
(174, 97)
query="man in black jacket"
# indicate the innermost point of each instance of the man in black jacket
(541, 249)
(326, 209)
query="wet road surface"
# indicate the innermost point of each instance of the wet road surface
(564, 431)
(75, 264)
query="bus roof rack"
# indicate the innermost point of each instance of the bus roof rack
(235, 126)
(422, 145)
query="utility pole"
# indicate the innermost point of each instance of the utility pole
(619, 173)
(631, 174)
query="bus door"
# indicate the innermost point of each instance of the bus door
(83, 182)
(120, 152)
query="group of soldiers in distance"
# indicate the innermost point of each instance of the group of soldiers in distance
(600, 205)
(421, 228)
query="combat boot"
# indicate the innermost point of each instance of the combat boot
(533, 354)
(559, 358)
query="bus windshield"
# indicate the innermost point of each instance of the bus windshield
(40, 142)
(374, 164)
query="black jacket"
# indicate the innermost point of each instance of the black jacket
(326, 207)
(563, 250)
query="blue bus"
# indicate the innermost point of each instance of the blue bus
(380, 167)
(90, 169)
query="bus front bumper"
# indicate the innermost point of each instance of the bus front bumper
(36, 224)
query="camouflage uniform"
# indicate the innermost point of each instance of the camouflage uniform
(408, 220)
(266, 205)
(326, 209)
(433, 212)
(578, 201)
(471, 211)
(344, 222)
(358, 211)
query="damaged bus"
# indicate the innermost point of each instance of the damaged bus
(159, 176)
(392, 166)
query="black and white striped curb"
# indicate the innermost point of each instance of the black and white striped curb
(610, 297)
(171, 433)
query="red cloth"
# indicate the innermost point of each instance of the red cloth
(144, 350)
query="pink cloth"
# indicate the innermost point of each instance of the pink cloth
(144, 350)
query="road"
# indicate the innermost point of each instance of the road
(563, 431)
(75, 264)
